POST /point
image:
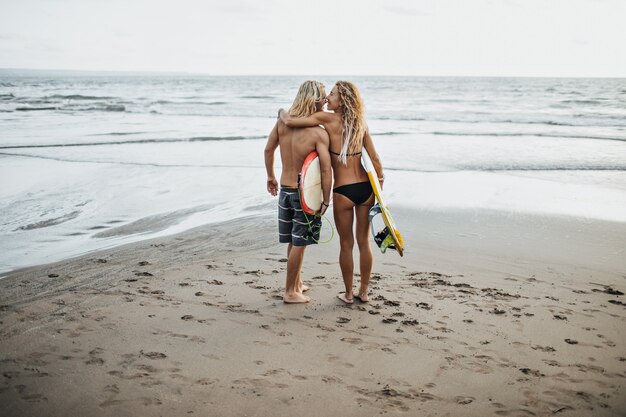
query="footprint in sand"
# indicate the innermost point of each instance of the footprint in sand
(528, 371)
(544, 348)
(95, 361)
(147, 368)
(606, 341)
(337, 359)
(589, 368)
(464, 400)
(325, 328)
(11, 374)
(34, 397)
(257, 384)
(153, 355)
(68, 333)
(206, 381)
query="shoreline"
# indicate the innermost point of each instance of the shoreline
(488, 313)
(421, 233)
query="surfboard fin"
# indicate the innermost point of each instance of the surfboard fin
(383, 238)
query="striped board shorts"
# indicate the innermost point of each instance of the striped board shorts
(294, 226)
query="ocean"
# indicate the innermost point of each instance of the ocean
(90, 162)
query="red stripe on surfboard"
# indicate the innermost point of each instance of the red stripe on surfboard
(307, 161)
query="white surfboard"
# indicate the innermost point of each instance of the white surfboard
(390, 237)
(311, 196)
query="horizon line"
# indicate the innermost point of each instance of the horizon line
(193, 73)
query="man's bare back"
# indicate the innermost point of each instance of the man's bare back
(295, 144)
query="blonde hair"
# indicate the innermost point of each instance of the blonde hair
(353, 119)
(309, 93)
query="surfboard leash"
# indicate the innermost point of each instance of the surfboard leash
(310, 225)
(332, 233)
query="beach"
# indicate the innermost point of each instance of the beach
(488, 313)
(140, 270)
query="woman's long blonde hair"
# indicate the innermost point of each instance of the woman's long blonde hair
(309, 94)
(353, 118)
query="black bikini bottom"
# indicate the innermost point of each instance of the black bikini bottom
(359, 192)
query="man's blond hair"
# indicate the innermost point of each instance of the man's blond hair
(309, 94)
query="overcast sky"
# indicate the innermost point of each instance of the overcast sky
(351, 37)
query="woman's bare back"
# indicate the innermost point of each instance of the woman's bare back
(352, 171)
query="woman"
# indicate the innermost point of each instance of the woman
(353, 195)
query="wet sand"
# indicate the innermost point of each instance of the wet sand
(488, 313)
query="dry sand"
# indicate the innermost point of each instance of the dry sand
(487, 314)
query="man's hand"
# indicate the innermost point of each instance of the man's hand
(272, 186)
(323, 209)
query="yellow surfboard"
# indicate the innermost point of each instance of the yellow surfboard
(390, 236)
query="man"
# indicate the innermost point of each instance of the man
(294, 227)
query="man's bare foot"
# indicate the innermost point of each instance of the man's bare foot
(362, 296)
(342, 297)
(295, 298)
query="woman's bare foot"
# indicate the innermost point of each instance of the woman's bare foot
(362, 296)
(295, 298)
(302, 288)
(342, 296)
